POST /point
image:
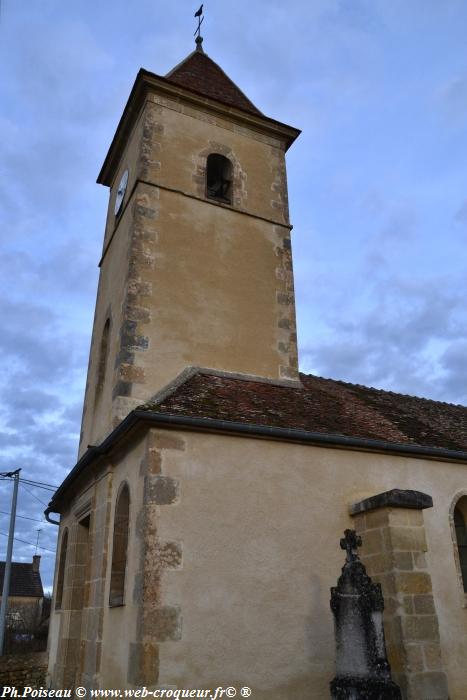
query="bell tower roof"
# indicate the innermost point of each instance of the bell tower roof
(199, 73)
(198, 82)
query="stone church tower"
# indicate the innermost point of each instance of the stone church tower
(199, 530)
(196, 264)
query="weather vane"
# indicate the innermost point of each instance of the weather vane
(197, 34)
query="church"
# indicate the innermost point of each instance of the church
(199, 530)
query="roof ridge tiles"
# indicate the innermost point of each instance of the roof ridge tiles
(379, 390)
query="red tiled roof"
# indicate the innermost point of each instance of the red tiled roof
(201, 74)
(320, 406)
(24, 581)
(317, 411)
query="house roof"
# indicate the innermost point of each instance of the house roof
(24, 582)
(319, 406)
(199, 73)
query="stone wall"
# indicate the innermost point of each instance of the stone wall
(394, 553)
(20, 670)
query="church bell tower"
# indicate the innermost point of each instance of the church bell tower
(196, 265)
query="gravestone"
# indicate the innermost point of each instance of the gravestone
(362, 667)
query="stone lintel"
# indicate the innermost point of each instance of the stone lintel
(396, 498)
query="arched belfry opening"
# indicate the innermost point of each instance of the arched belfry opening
(219, 175)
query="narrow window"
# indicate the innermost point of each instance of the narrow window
(120, 548)
(461, 541)
(61, 571)
(219, 178)
(103, 352)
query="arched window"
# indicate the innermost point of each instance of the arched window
(461, 536)
(219, 178)
(61, 571)
(120, 547)
(103, 352)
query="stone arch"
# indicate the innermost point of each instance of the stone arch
(238, 186)
(219, 177)
(120, 546)
(458, 523)
(103, 356)
(61, 570)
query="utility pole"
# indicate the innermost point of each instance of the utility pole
(7, 574)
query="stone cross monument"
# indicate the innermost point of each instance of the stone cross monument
(362, 668)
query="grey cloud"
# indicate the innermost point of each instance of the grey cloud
(72, 414)
(37, 355)
(461, 214)
(28, 401)
(397, 227)
(395, 343)
(69, 272)
(454, 364)
(455, 98)
(66, 55)
(400, 224)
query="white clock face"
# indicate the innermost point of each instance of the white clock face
(121, 192)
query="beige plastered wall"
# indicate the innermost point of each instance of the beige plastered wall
(119, 623)
(258, 523)
(198, 283)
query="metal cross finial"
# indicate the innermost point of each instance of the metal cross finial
(350, 542)
(199, 38)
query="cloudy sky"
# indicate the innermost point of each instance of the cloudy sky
(377, 181)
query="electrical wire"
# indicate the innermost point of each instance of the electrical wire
(11, 475)
(17, 539)
(38, 485)
(25, 517)
(7, 476)
(31, 482)
(41, 483)
(34, 496)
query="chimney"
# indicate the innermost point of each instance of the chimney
(36, 562)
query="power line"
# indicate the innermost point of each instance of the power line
(38, 485)
(25, 517)
(31, 543)
(31, 482)
(34, 496)
(42, 483)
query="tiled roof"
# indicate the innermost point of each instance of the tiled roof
(201, 74)
(24, 581)
(320, 406)
(317, 411)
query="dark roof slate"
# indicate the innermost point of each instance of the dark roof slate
(201, 74)
(320, 406)
(24, 581)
